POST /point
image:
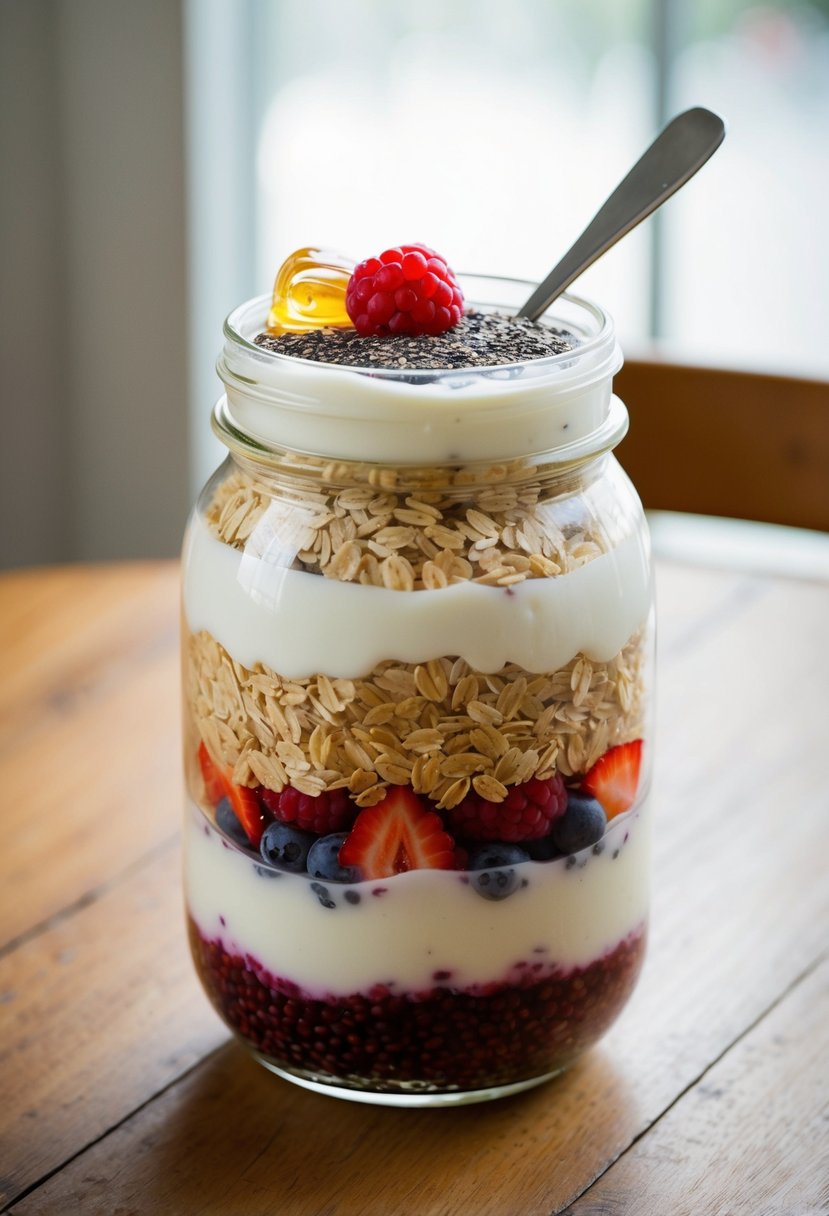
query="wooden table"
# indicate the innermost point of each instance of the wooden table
(121, 1092)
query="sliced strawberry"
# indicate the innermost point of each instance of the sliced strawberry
(218, 784)
(614, 778)
(397, 834)
(248, 811)
(213, 785)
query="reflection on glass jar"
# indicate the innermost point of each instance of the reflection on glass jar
(417, 668)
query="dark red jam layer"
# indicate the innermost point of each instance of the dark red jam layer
(441, 1038)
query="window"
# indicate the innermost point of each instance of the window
(495, 131)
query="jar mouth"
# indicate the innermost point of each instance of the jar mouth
(557, 405)
(575, 315)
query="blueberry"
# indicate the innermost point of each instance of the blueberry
(286, 847)
(227, 822)
(541, 850)
(582, 824)
(494, 877)
(323, 860)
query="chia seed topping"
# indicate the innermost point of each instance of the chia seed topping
(478, 340)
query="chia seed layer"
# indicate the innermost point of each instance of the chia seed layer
(494, 1034)
(478, 340)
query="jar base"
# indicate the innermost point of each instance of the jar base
(405, 1094)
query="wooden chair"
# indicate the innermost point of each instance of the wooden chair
(727, 443)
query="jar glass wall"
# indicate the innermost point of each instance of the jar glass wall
(417, 731)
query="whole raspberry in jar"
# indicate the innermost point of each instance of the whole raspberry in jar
(418, 656)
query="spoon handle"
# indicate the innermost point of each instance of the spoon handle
(682, 148)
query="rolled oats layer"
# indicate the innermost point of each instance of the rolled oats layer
(439, 726)
(497, 525)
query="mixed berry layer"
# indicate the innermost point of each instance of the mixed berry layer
(529, 1025)
(328, 836)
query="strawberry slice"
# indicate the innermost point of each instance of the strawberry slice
(397, 834)
(614, 778)
(211, 773)
(218, 784)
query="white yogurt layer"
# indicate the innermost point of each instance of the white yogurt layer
(423, 922)
(299, 624)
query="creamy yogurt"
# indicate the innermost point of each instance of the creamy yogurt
(420, 922)
(299, 624)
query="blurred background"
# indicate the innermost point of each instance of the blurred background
(160, 158)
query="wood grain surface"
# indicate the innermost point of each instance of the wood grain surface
(123, 1093)
(89, 731)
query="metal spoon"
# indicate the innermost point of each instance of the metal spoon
(672, 159)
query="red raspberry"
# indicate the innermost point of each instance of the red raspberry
(525, 814)
(330, 811)
(407, 290)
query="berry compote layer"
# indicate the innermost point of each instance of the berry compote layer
(521, 1028)
(425, 981)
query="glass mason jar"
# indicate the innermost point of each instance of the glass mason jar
(418, 617)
